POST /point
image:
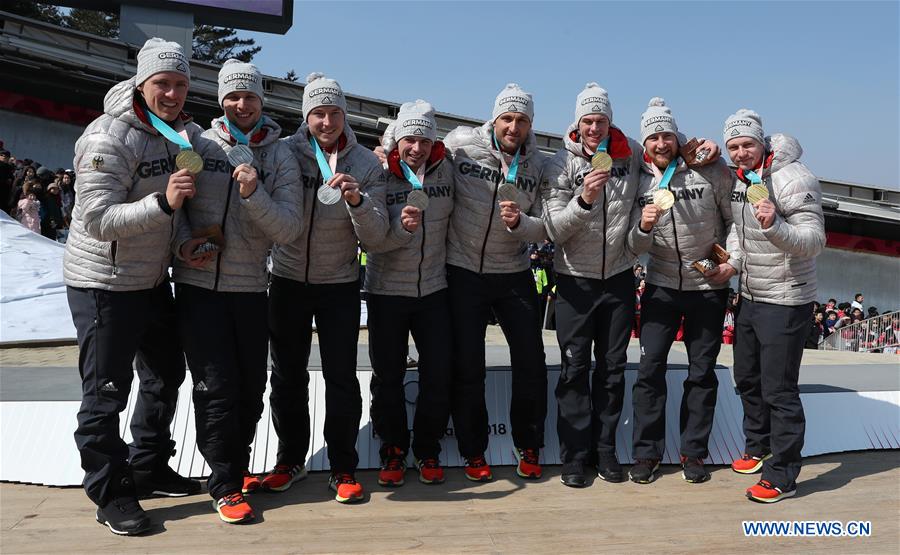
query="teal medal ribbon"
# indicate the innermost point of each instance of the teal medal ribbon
(754, 177)
(166, 131)
(239, 136)
(410, 175)
(667, 175)
(320, 158)
(514, 167)
(604, 145)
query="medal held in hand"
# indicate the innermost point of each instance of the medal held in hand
(507, 192)
(190, 161)
(240, 154)
(417, 198)
(756, 193)
(601, 161)
(328, 195)
(664, 199)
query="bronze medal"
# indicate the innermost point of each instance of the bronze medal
(756, 193)
(190, 161)
(664, 199)
(601, 161)
(417, 198)
(507, 192)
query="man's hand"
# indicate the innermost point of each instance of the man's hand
(410, 218)
(509, 213)
(196, 260)
(245, 175)
(348, 185)
(180, 187)
(765, 213)
(593, 185)
(381, 154)
(649, 216)
(720, 274)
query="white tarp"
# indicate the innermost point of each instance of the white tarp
(33, 301)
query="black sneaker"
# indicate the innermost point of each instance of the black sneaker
(124, 516)
(164, 481)
(644, 471)
(692, 470)
(609, 469)
(573, 475)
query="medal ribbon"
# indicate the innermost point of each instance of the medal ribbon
(326, 167)
(239, 135)
(166, 131)
(510, 170)
(754, 177)
(667, 176)
(604, 145)
(415, 179)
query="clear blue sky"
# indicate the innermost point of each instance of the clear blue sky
(825, 72)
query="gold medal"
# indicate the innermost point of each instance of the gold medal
(417, 198)
(664, 199)
(190, 161)
(601, 161)
(756, 193)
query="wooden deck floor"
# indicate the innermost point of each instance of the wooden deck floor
(506, 516)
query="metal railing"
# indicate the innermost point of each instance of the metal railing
(876, 334)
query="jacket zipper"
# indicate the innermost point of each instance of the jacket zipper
(224, 219)
(677, 250)
(312, 214)
(490, 222)
(421, 258)
(745, 276)
(113, 247)
(603, 260)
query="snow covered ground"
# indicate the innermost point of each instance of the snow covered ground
(32, 294)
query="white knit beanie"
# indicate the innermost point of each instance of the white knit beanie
(593, 100)
(322, 91)
(415, 119)
(513, 99)
(158, 55)
(744, 123)
(236, 75)
(657, 119)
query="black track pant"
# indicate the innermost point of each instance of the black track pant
(767, 352)
(120, 332)
(391, 320)
(292, 306)
(661, 312)
(599, 313)
(514, 300)
(225, 338)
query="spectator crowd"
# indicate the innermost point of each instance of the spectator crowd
(40, 198)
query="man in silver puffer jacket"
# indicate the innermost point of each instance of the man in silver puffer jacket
(676, 238)
(115, 268)
(406, 281)
(488, 269)
(221, 294)
(317, 276)
(777, 208)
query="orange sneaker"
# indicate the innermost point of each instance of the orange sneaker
(749, 464)
(528, 467)
(251, 483)
(430, 471)
(393, 467)
(477, 469)
(765, 492)
(233, 508)
(283, 476)
(347, 489)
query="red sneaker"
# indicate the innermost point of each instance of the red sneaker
(765, 492)
(393, 467)
(477, 469)
(748, 464)
(283, 476)
(347, 489)
(233, 508)
(528, 467)
(430, 471)
(251, 483)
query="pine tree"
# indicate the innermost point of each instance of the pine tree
(34, 10)
(103, 24)
(217, 44)
(291, 76)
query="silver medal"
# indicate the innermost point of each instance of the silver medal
(328, 195)
(417, 198)
(507, 192)
(240, 154)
